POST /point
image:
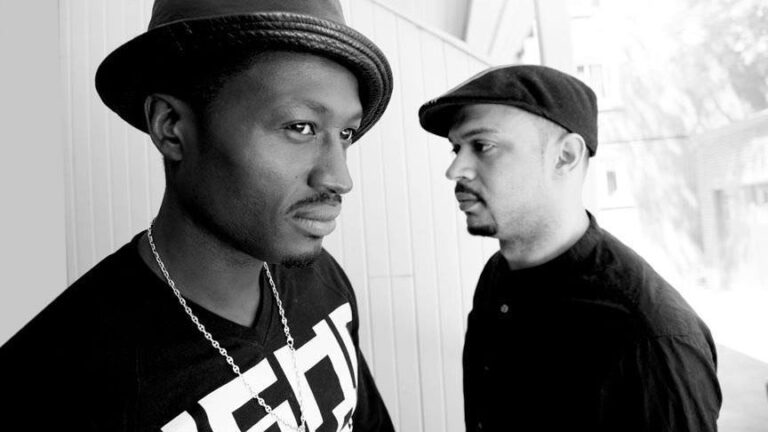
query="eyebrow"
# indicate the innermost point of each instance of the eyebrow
(319, 108)
(474, 132)
(314, 106)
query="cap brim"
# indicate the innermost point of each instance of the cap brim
(437, 118)
(126, 77)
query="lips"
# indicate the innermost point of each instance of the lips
(317, 220)
(467, 200)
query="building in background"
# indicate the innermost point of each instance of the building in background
(732, 167)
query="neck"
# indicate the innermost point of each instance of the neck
(556, 236)
(205, 269)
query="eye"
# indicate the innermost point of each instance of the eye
(303, 128)
(455, 148)
(348, 134)
(481, 146)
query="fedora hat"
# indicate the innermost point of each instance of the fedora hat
(182, 32)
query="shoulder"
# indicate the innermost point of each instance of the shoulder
(110, 271)
(111, 281)
(618, 261)
(328, 270)
(675, 365)
(493, 266)
(323, 279)
(89, 304)
(315, 292)
(655, 306)
(491, 275)
(80, 341)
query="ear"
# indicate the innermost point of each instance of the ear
(571, 153)
(170, 123)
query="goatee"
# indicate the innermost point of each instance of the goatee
(300, 261)
(482, 230)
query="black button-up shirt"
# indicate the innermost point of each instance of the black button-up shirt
(593, 340)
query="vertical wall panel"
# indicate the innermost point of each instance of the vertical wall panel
(70, 204)
(392, 151)
(444, 208)
(109, 174)
(352, 231)
(401, 238)
(101, 178)
(398, 229)
(116, 139)
(374, 197)
(83, 152)
(426, 296)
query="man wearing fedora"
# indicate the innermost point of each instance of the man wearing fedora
(225, 314)
(570, 330)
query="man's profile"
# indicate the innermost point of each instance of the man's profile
(570, 329)
(226, 314)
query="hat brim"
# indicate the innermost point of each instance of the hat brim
(126, 77)
(438, 118)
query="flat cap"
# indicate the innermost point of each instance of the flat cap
(540, 90)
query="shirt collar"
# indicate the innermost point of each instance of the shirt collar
(564, 263)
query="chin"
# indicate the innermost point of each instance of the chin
(299, 261)
(482, 230)
(481, 227)
(302, 259)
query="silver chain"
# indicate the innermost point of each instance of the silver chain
(223, 351)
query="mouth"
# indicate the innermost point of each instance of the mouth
(467, 201)
(317, 220)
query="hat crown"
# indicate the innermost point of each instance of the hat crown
(185, 33)
(540, 90)
(171, 11)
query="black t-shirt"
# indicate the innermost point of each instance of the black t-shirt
(116, 352)
(593, 340)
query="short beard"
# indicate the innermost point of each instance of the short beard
(300, 261)
(483, 230)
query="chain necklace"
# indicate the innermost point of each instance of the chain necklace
(223, 351)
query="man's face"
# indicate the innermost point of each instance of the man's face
(268, 165)
(503, 178)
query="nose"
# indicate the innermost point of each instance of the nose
(330, 173)
(461, 167)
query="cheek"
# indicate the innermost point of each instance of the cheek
(272, 183)
(257, 185)
(512, 190)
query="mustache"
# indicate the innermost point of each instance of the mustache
(462, 188)
(322, 198)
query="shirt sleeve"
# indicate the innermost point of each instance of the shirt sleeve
(666, 383)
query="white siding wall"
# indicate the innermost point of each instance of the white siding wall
(401, 237)
(32, 239)
(447, 16)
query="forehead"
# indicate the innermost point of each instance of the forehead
(278, 77)
(490, 117)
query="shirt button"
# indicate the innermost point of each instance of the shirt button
(486, 368)
(504, 308)
(479, 425)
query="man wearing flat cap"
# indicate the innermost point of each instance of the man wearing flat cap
(570, 330)
(225, 314)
